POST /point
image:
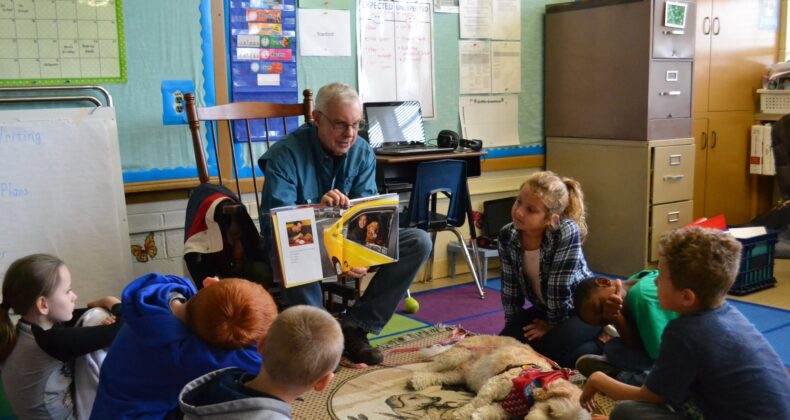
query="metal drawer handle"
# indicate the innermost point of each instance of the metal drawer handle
(673, 216)
(672, 178)
(674, 32)
(674, 160)
(706, 26)
(670, 93)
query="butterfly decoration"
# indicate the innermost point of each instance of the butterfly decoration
(147, 251)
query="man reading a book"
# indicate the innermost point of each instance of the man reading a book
(327, 162)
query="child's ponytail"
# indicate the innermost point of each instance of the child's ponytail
(575, 209)
(7, 332)
(26, 279)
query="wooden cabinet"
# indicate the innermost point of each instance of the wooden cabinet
(722, 181)
(735, 44)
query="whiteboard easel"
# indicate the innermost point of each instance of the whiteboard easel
(61, 192)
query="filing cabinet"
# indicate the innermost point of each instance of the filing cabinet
(618, 119)
(634, 191)
(614, 70)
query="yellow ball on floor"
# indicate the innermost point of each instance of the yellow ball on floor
(410, 305)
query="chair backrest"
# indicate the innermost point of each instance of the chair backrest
(434, 177)
(237, 116)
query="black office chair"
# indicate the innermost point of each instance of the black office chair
(449, 178)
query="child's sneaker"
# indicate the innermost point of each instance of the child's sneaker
(590, 363)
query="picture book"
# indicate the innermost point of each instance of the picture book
(315, 242)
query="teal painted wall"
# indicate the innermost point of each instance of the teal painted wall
(163, 42)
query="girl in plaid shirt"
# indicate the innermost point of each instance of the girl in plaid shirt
(542, 261)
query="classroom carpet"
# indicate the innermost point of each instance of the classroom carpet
(460, 305)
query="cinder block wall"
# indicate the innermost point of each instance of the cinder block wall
(165, 220)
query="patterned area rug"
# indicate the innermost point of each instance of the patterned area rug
(380, 392)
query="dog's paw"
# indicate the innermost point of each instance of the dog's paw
(490, 412)
(420, 381)
(464, 413)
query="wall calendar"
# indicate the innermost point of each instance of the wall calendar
(53, 42)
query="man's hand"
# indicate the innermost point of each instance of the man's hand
(335, 198)
(357, 272)
(538, 328)
(613, 306)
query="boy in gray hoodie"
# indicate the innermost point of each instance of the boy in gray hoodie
(300, 353)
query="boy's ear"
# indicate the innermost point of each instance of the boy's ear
(603, 282)
(322, 383)
(688, 298)
(209, 281)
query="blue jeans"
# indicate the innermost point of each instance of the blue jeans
(386, 289)
(564, 343)
(633, 364)
(637, 410)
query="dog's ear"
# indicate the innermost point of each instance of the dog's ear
(543, 394)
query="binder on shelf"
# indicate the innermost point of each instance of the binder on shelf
(769, 166)
(756, 154)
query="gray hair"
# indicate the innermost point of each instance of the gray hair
(335, 93)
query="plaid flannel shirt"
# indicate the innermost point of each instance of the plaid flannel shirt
(562, 267)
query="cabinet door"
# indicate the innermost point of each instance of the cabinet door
(699, 130)
(743, 46)
(727, 185)
(702, 60)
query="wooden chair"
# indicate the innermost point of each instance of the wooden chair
(245, 116)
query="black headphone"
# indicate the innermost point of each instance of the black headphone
(449, 138)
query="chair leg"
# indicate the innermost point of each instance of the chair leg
(427, 274)
(473, 268)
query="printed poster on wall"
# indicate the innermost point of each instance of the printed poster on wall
(395, 52)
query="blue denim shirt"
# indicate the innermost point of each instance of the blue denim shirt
(299, 171)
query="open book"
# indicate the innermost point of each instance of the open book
(314, 243)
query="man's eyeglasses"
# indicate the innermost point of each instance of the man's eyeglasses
(341, 126)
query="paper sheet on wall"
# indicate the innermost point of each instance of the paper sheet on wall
(445, 6)
(395, 52)
(505, 67)
(475, 18)
(324, 33)
(506, 19)
(474, 64)
(493, 119)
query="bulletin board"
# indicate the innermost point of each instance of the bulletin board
(49, 42)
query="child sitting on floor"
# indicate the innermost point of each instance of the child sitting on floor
(710, 355)
(37, 355)
(301, 351)
(632, 308)
(542, 261)
(174, 334)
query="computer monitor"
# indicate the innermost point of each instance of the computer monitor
(394, 123)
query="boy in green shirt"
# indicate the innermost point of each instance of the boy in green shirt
(632, 308)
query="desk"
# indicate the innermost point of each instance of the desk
(395, 173)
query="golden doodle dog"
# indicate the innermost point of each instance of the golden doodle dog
(487, 366)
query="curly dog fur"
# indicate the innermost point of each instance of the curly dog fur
(487, 365)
